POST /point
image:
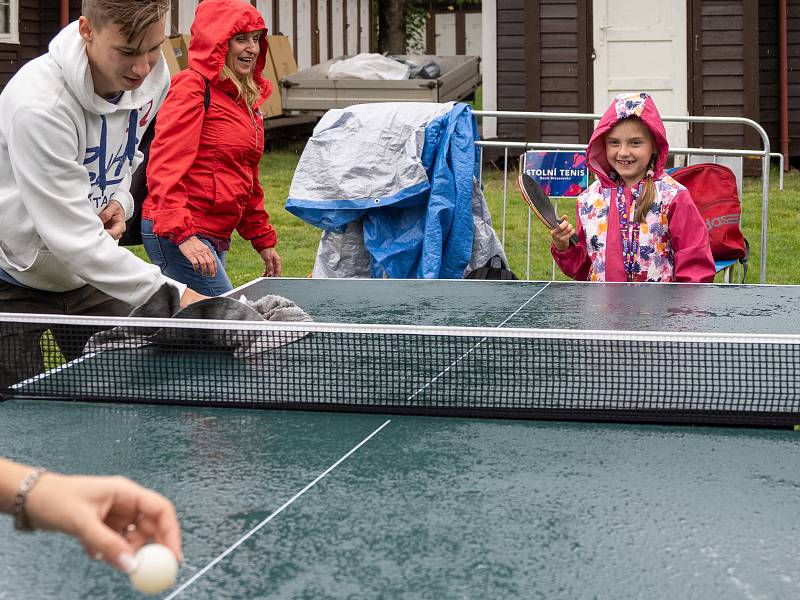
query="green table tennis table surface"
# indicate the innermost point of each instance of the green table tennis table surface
(706, 308)
(436, 507)
(428, 508)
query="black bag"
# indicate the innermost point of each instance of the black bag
(494, 269)
(133, 226)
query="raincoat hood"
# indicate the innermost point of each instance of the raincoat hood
(216, 22)
(68, 50)
(639, 105)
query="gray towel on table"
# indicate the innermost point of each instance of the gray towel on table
(165, 303)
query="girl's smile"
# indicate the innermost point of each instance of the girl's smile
(629, 149)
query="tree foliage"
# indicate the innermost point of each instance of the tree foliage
(401, 24)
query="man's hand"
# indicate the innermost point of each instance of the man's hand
(113, 218)
(190, 297)
(272, 262)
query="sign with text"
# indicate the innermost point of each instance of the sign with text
(560, 174)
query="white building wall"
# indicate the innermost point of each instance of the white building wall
(303, 48)
(286, 20)
(265, 8)
(338, 34)
(352, 26)
(186, 10)
(365, 25)
(322, 20)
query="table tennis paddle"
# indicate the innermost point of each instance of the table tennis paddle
(540, 204)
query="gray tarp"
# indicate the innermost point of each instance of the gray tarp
(370, 156)
(344, 254)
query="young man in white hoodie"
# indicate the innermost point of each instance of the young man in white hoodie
(70, 123)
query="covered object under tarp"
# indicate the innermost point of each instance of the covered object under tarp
(394, 188)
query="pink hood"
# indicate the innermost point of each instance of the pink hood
(639, 105)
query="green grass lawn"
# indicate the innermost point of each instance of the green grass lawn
(298, 241)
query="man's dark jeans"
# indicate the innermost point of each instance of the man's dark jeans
(21, 354)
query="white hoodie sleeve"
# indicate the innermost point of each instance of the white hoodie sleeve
(122, 194)
(54, 188)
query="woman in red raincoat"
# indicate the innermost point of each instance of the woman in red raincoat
(203, 169)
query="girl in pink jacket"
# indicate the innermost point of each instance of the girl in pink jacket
(635, 223)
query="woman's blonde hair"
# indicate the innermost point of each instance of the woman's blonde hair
(245, 85)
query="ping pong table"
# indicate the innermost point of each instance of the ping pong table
(306, 504)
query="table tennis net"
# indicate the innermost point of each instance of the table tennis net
(514, 373)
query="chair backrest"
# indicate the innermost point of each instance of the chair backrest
(713, 189)
(734, 163)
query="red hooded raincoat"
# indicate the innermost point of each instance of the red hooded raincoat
(680, 249)
(203, 169)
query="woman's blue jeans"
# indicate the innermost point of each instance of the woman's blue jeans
(175, 265)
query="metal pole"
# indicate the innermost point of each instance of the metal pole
(779, 156)
(783, 70)
(505, 195)
(562, 146)
(528, 258)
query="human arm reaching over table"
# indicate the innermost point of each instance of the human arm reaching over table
(112, 517)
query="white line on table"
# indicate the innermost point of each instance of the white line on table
(468, 352)
(285, 505)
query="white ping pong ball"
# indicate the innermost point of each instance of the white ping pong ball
(156, 569)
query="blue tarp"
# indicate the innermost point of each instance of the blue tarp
(421, 229)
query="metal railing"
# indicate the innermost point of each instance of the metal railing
(779, 156)
(764, 154)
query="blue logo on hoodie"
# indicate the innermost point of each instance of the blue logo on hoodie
(108, 170)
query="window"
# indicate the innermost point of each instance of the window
(9, 21)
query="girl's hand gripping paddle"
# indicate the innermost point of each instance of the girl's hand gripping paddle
(540, 204)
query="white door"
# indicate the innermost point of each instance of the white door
(472, 27)
(445, 34)
(640, 46)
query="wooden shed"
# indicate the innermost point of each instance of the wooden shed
(701, 57)
(317, 29)
(26, 32)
